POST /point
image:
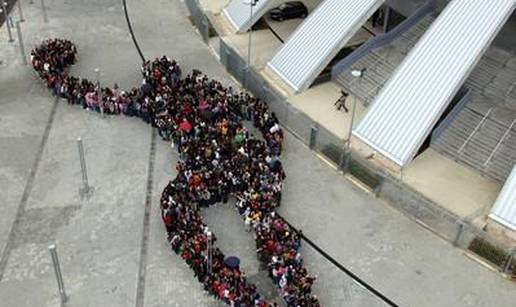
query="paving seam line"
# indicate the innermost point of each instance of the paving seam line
(142, 266)
(27, 189)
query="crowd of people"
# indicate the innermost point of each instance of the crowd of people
(219, 158)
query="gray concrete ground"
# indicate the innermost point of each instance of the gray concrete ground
(99, 240)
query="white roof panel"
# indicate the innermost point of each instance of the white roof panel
(319, 38)
(238, 13)
(504, 209)
(411, 102)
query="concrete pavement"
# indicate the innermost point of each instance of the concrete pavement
(99, 240)
(458, 188)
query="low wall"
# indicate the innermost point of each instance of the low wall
(420, 208)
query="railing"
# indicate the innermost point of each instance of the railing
(369, 96)
(509, 90)
(199, 19)
(465, 97)
(384, 39)
(472, 134)
(499, 143)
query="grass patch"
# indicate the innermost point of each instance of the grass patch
(488, 251)
(364, 174)
(332, 152)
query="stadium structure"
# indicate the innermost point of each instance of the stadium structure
(435, 92)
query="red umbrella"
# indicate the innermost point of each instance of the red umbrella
(185, 126)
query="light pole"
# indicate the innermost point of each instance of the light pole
(6, 15)
(84, 190)
(20, 42)
(57, 269)
(44, 9)
(209, 257)
(20, 11)
(99, 92)
(357, 74)
(252, 3)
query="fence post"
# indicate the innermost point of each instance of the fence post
(57, 270)
(227, 53)
(44, 9)
(508, 263)
(313, 137)
(205, 31)
(223, 54)
(100, 99)
(20, 42)
(85, 190)
(459, 234)
(243, 79)
(344, 160)
(6, 15)
(378, 188)
(20, 12)
(210, 253)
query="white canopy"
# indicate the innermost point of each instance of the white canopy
(504, 209)
(238, 12)
(417, 94)
(318, 40)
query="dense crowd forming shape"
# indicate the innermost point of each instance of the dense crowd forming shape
(219, 158)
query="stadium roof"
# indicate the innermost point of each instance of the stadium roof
(318, 40)
(504, 209)
(239, 14)
(421, 88)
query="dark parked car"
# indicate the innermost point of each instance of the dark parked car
(289, 10)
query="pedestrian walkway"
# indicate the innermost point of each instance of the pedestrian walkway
(468, 194)
(318, 102)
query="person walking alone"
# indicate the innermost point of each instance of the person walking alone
(341, 102)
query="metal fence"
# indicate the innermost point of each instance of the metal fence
(498, 253)
(412, 203)
(460, 232)
(199, 19)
